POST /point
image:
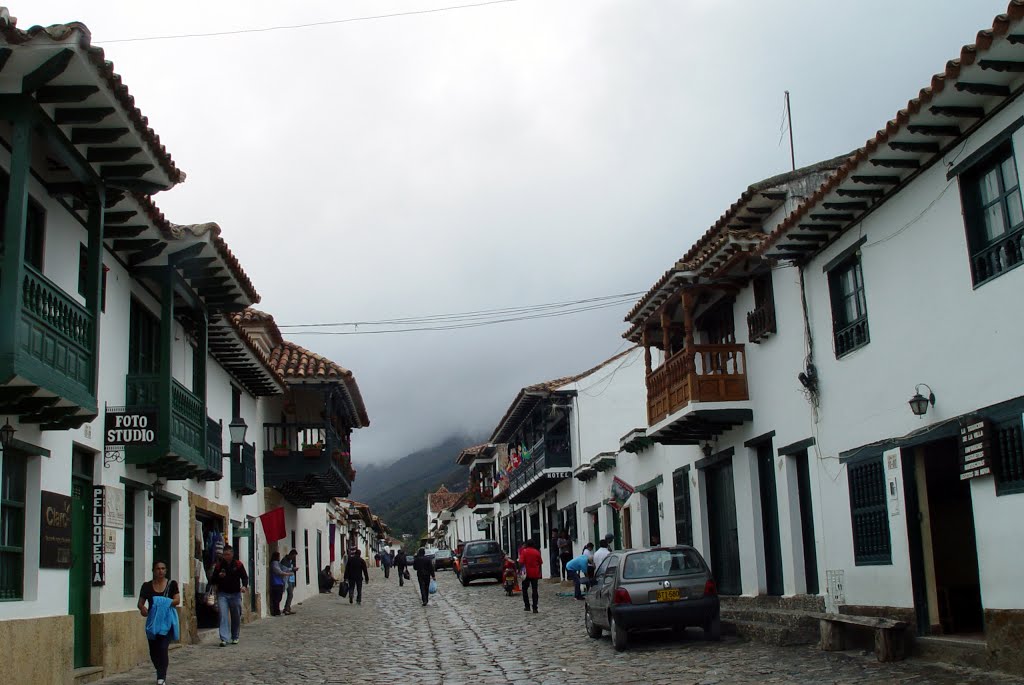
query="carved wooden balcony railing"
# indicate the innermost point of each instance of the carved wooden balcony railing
(703, 373)
(761, 322)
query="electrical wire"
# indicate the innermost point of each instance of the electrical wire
(290, 27)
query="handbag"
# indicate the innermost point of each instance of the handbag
(211, 596)
(432, 589)
(343, 588)
(407, 576)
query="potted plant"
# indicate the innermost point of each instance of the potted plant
(281, 450)
(312, 450)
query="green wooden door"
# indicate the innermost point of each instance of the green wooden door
(80, 581)
(597, 528)
(162, 533)
(770, 518)
(722, 528)
(617, 529)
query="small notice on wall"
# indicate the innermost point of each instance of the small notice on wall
(975, 447)
(113, 511)
(109, 540)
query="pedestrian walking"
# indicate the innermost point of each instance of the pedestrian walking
(564, 552)
(576, 567)
(400, 567)
(289, 564)
(278, 578)
(157, 600)
(231, 580)
(386, 560)
(424, 568)
(356, 572)
(531, 560)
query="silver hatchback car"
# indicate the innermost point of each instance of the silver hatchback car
(649, 589)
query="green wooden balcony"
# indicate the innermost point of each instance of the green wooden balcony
(243, 469)
(307, 463)
(214, 469)
(181, 447)
(47, 356)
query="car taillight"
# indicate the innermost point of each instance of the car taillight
(710, 589)
(621, 596)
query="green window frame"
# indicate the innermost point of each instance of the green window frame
(683, 510)
(13, 473)
(35, 226)
(83, 270)
(869, 513)
(568, 521)
(1008, 446)
(993, 215)
(849, 306)
(129, 542)
(143, 340)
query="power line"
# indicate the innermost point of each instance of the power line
(290, 27)
(474, 315)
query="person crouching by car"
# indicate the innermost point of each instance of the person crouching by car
(577, 567)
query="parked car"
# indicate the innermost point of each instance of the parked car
(443, 558)
(481, 559)
(649, 589)
(409, 559)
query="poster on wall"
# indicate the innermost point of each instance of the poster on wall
(975, 439)
(109, 540)
(113, 512)
(54, 530)
(98, 571)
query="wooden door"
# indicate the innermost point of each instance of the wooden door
(770, 518)
(627, 528)
(80, 580)
(724, 532)
(653, 518)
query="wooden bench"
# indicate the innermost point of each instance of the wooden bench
(889, 644)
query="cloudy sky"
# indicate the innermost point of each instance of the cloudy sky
(514, 154)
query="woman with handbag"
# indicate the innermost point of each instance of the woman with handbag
(157, 601)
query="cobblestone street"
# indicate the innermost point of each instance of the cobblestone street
(478, 636)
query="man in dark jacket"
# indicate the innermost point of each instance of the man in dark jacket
(355, 572)
(400, 566)
(229, 575)
(424, 567)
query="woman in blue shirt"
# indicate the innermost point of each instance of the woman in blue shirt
(159, 595)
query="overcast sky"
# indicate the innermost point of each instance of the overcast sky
(513, 154)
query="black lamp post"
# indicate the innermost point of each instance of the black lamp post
(6, 434)
(919, 403)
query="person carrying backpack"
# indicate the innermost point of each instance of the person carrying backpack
(231, 580)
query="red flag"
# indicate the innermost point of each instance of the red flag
(330, 544)
(273, 524)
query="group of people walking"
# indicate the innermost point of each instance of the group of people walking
(422, 565)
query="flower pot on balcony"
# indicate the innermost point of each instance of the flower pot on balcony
(281, 451)
(312, 451)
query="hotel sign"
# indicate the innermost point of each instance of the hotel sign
(975, 447)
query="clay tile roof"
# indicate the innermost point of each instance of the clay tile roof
(295, 363)
(470, 453)
(443, 499)
(969, 55)
(178, 231)
(79, 33)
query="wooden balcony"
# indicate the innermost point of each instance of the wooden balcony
(698, 376)
(181, 449)
(214, 469)
(47, 356)
(761, 322)
(550, 461)
(307, 463)
(243, 469)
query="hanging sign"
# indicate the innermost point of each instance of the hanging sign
(621, 491)
(54, 530)
(98, 573)
(975, 447)
(127, 427)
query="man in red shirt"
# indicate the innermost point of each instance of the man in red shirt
(531, 560)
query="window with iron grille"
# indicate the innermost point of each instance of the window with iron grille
(869, 512)
(12, 526)
(568, 521)
(1008, 448)
(849, 306)
(993, 215)
(129, 543)
(681, 498)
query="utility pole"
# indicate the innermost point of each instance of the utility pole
(789, 120)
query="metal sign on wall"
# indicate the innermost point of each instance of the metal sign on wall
(54, 530)
(975, 447)
(98, 571)
(128, 427)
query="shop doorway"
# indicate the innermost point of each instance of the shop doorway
(653, 519)
(943, 546)
(770, 518)
(803, 485)
(209, 548)
(616, 528)
(80, 579)
(535, 526)
(627, 528)
(595, 527)
(722, 527)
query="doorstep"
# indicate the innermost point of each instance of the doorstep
(87, 674)
(959, 650)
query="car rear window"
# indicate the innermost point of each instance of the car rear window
(482, 548)
(661, 562)
(443, 554)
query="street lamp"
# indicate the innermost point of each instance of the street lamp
(919, 403)
(6, 434)
(236, 430)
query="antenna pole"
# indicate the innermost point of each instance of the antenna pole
(789, 119)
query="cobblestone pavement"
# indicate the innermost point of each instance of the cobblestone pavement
(478, 636)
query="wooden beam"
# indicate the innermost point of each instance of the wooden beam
(1015, 39)
(115, 232)
(907, 146)
(983, 88)
(896, 163)
(111, 154)
(821, 227)
(124, 170)
(86, 136)
(800, 248)
(197, 262)
(145, 255)
(845, 205)
(118, 217)
(129, 245)
(211, 281)
(939, 131)
(759, 210)
(137, 185)
(193, 274)
(775, 195)
(809, 237)
(957, 111)
(211, 293)
(1001, 65)
(64, 94)
(857, 192)
(833, 217)
(47, 71)
(81, 115)
(877, 180)
(185, 254)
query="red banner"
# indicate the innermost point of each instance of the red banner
(273, 524)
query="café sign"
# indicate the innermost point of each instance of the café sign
(975, 447)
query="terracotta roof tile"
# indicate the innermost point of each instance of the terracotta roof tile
(295, 363)
(443, 499)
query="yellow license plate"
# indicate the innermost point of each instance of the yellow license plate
(483, 560)
(668, 595)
